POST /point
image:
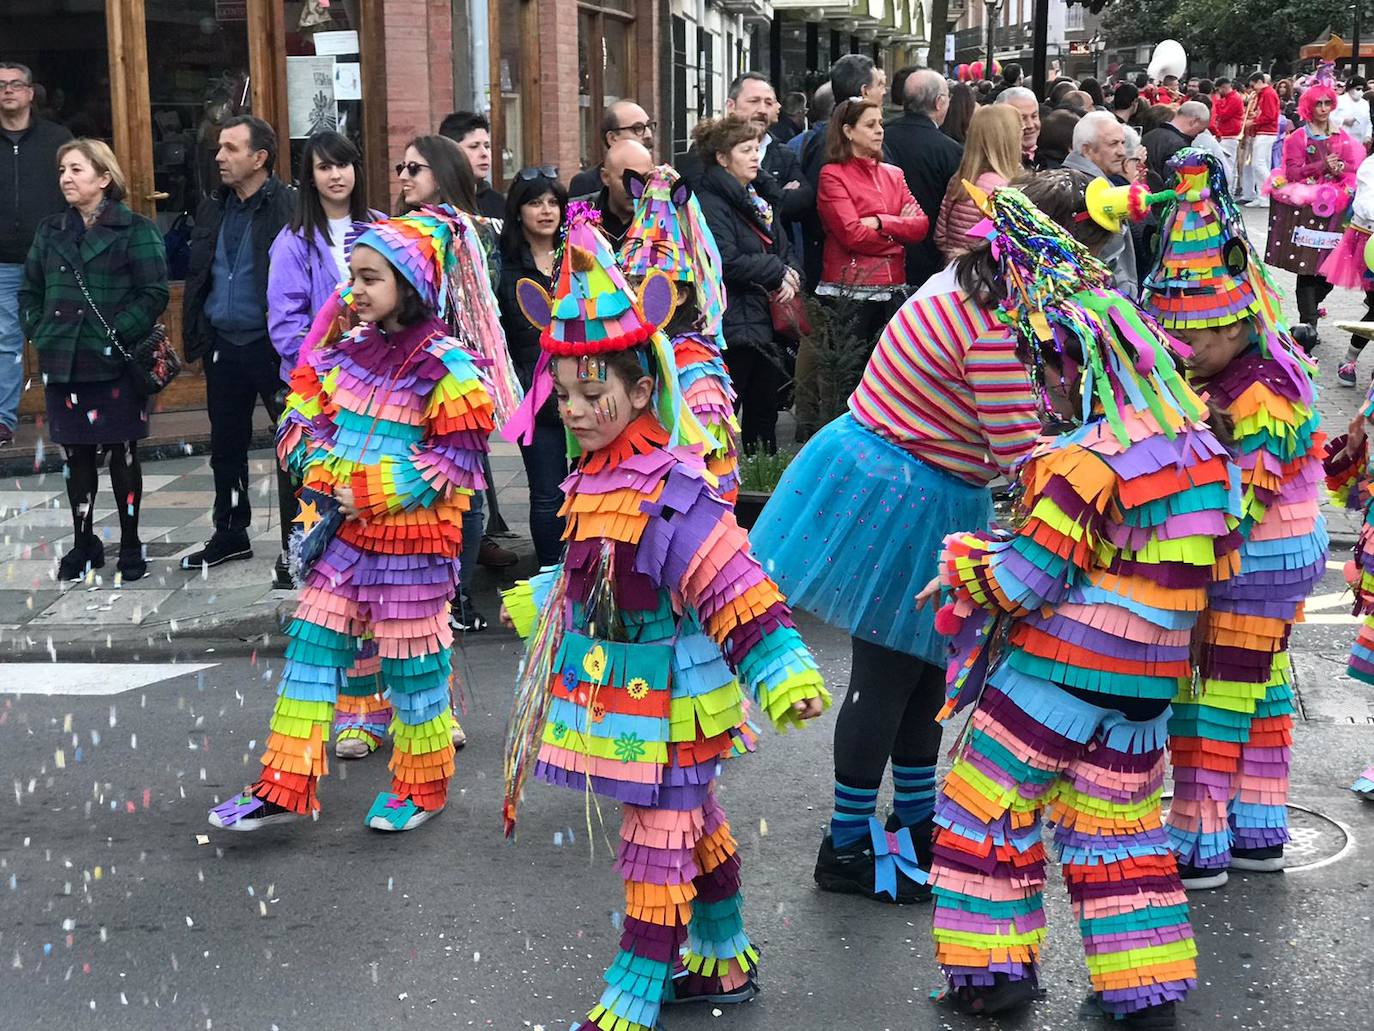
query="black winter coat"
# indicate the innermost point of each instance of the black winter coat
(28, 185)
(522, 336)
(271, 214)
(751, 268)
(928, 159)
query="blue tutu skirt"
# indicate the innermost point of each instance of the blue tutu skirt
(853, 532)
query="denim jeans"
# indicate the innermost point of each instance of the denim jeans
(11, 344)
(546, 467)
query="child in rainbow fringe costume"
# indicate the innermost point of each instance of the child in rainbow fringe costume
(641, 641)
(1123, 521)
(1231, 733)
(386, 426)
(669, 233)
(1350, 478)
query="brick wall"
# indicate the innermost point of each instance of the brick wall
(419, 69)
(558, 65)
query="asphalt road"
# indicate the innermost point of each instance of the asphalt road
(123, 909)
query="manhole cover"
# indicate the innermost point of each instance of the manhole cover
(1314, 839)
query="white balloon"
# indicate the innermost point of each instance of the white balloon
(1169, 59)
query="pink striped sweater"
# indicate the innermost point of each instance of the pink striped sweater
(944, 383)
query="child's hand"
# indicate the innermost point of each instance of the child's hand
(506, 621)
(1355, 435)
(343, 494)
(806, 709)
(929, 591)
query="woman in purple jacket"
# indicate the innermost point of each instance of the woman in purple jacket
(307, 259)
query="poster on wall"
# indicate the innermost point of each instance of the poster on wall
(310, 98)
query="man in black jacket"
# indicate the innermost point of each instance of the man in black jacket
(752, 98)
(28, 194)
(928, 159)
(224, 323)
(616, 207)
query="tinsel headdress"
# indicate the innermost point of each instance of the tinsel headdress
(1207, 273)
(1057, 292)
(440, 252)
(669, 233)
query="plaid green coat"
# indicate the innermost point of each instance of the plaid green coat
(124, 261)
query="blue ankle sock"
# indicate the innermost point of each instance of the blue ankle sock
(913, 793)
(853, 808)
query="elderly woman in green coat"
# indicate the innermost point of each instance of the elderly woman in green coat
(95, 271)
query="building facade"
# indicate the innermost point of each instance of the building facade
(1074, 36)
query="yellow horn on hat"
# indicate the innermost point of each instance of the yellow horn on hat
(1109, 205)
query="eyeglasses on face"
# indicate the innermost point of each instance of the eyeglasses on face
(410, 168)
(537, 172)
(15, 85)
(638, 128)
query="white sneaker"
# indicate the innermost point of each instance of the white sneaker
(460, 737)
(351, 748)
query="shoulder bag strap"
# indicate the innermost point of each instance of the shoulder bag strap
(109, 330)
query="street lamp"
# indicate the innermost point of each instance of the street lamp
(992, 8)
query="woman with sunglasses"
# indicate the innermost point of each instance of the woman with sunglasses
(535, 208)
(435, 171)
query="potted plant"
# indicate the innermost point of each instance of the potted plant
(759, 473)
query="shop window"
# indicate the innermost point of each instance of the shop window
(605, 64)
(323, 72)
(66, 51)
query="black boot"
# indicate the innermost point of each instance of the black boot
(88, 552)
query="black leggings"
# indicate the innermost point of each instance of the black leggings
(83, 481)
(888, 713)
(1311, 291)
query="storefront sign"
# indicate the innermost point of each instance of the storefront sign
(231, 10)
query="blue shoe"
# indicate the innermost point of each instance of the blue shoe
(389, 813)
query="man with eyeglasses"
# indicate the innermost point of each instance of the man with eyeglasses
(623, 120)
(28, 194)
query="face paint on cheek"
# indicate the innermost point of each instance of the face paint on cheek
(605, 409)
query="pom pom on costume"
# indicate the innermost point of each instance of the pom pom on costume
(650, 638)
(1124, 521)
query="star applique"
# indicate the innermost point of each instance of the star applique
(308, 517)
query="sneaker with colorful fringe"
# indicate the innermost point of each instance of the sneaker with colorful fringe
(1258, 860)
(1346, 373)
(391, 813)
(248, 812)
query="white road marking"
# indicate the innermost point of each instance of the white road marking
(90, 678)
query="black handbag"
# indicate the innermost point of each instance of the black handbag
(153, 360)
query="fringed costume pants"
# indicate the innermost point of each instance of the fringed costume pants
(363, 711)
(682, 882)
(1034, 749)
(1231, 773)
(401, 602)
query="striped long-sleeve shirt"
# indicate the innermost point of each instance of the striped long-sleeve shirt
(945, 384)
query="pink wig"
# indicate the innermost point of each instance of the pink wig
(1308, 101)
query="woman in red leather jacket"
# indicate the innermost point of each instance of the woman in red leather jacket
(869, 217)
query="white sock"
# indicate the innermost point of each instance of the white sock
(1352, 354)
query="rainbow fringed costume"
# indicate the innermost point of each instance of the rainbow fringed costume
(1350, 479)
(670, 234)
(403, 419)
(642, 645)
(1232, 731)
(1083, 613)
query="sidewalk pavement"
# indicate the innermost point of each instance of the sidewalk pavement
(229, 608)
(233, 607)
